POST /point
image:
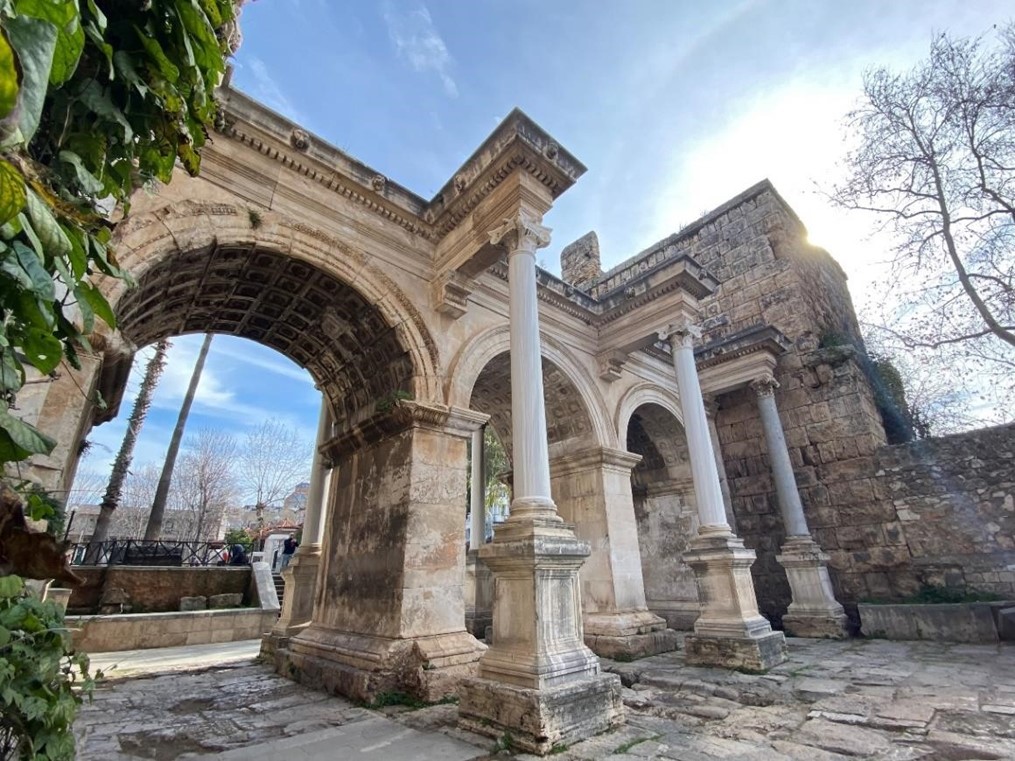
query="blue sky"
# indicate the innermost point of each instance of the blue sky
(674, 106)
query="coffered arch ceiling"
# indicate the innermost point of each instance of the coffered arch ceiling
(287, 304)
(568, 424)
(655, 434)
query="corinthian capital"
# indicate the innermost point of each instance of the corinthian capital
(764, 385)
(521, 232)
(680, 334)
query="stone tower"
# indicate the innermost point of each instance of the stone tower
(580, 263)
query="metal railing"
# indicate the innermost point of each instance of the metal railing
(149, 553)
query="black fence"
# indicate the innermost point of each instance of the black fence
(152, 553)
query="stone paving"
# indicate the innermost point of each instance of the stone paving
(868, 699)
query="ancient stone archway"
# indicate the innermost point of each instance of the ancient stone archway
(664, 506)
(219, 268)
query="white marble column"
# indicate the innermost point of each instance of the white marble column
(301, 574)
(814, 611)
(477, 502)
(478, 581)
(538, 681)
(729, 631)
(711, 410)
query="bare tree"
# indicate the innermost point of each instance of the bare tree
(154, 528)
(139, 488)
(205, 483)
(121, 465)
(273, 460)
(935, 162)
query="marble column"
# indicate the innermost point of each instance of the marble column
(730, 631)
(711, 410)
(300, 575)
(814, 611)
(538, 681)
(478, 581)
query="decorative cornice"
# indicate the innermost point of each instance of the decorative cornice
(756, 339)
(402, 416)
(604, 458)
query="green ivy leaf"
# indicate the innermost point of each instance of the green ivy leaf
(42, 281)
(166, 67)
(70, 40)
(11, 586)
(89, 183)
(10, 77)
(97, 99)
(43, 350)
(12, 376)
(25, 436)
(97, 302)
(54, 240)
(12, 191)
(34, 41)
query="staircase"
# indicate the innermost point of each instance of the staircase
(279, 586)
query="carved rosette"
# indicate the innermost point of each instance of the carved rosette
(764, 385)
(522, 233)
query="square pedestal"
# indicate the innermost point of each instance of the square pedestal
(628, 635)
(754, 654)
(539, 720)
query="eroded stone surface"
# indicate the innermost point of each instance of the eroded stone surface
(935, 701)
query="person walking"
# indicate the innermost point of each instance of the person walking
(288, 550)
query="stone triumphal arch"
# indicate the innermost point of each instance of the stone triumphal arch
(649, 412)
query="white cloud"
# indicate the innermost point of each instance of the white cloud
(270, 93)
(416, 39)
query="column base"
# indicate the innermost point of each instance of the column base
(538, 721)
(628, 635)
(754, 654)
(814, 611)
(300, 578)
(362, 667)
(730, 632)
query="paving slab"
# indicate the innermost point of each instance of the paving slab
(855, 699)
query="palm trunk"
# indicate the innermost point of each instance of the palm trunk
(121, 466)
(154, 528)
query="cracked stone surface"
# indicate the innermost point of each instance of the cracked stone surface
(832, 700)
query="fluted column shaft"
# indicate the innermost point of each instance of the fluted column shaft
(778, 454)
(521, 236)
(707, 490)
(477, 506)
(320, 477)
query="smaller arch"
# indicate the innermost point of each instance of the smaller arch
(488, 344)
(635, 397)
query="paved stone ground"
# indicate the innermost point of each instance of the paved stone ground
(868, 699)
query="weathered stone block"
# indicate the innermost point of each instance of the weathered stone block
(539, 720)
(197, 602)
(226, 600)
(744, 653)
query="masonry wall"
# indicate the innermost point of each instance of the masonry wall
(153, 589)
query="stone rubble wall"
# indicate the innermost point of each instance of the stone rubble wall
(892, 519)
(153, 589)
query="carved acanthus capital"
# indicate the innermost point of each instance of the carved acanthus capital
(521, 233)
(764, 385)
(680, 335)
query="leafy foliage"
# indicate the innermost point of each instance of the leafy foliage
(97, 98)
(42, 681)
(935, 163)
(239, 536)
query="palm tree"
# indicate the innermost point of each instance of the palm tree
(121, 466)
(154, 528)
